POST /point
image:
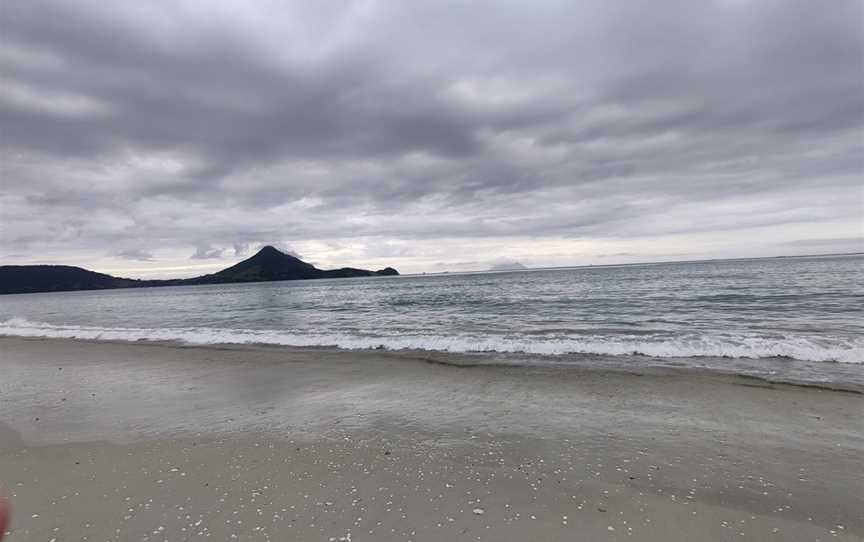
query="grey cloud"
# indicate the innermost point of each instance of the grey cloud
(218, 127)
(203, 252)
(241, 249)
(136, 254)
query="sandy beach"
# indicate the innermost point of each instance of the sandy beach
(113, 441)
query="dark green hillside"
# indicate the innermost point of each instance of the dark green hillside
(268, 264)
(55, 278)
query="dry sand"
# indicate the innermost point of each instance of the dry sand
(102, 441)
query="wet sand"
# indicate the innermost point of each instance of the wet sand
(106, 441)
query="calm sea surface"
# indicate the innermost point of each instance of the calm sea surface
(799, 319)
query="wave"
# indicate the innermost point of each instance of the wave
(798, 348)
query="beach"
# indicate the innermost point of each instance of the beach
(120, 441)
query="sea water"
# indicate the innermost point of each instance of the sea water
(798, 319)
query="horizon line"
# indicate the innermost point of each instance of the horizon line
(488, 271)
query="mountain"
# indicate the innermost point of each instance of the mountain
(508, 266)
(271, 264)
(268, 264)
(19, 279)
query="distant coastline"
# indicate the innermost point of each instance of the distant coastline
(268, 264)
(508, 266)
(62, 278)
(629, 264)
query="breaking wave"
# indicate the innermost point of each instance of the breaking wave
(799, 348)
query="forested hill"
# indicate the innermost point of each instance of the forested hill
(268, 264)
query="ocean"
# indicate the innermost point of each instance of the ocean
(786, 319)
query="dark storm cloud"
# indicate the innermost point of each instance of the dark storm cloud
(218, 97)
(216, 126)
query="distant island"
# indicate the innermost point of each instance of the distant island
(268, 264)
(508, 266)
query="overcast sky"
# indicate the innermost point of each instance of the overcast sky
(171, 138)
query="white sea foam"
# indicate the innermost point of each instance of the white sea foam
(800, 348)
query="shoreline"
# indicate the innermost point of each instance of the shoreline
(114, 441)
(636, 363)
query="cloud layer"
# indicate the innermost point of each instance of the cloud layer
(180, 134)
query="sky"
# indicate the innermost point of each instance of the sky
(171, 138)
